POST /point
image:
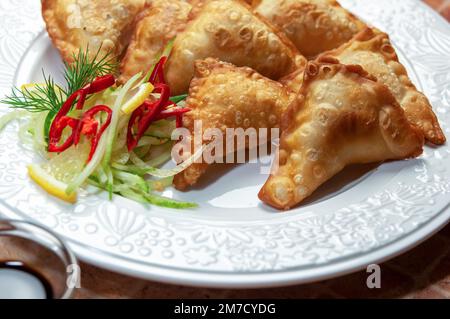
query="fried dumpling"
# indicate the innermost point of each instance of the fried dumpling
(224, 96)
(294, 80)
(314, 26)
(372, 50)
(197, 6)
(229, 31)
(81, 24)
(159, 23)
(341, 116)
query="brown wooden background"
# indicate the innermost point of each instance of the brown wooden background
(442, 6)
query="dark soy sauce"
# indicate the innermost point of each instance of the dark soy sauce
(18, 281)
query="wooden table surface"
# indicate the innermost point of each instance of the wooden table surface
(442, 6)
(422, 273)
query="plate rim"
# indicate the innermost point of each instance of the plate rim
(277, 278)
(249, 280)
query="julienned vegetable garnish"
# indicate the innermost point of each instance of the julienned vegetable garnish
(61, 121)
(142, 118)
(91, 131)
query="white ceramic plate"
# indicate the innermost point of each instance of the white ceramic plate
(367, 214)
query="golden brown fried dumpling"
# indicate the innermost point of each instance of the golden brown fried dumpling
(78, 24)
(229, 31)
(159, 23)
(314, 26)
(197, 6)
(373, 51)
(342, 116)
(294, 80)
(225, 96)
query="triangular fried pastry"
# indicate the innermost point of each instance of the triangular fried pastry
(294, 80)
(314, 26)
(229, 31)
(224, 96)
(98, 25)
(372, 50)
(341, 116)
(197, 6)
(156, 25)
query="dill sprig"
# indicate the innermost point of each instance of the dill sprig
(85, 69)
(49, 96)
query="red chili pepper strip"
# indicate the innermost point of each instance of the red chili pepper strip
(170, 104)
(178, 113)
(89, 126)
(67, 106)
(58, 129)
(179, 121)
(81, 99)
(145, 115)
(61, 121)
(171, 113)
(157, 75)
(100, 84)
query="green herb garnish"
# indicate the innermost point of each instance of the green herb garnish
(177, 99)
(84, 70)
(49, 96)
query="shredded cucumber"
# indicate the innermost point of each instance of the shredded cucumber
(121, 139)
(137, 189)
(90, 168)
(121, 156)
(167, 202)
(142, 81)
(153, 199)
(150, 140)
(159, 160)
(163, 173)
(104, 148)
(137, 161)
(130, 194)
(101, 175)
(109, 182)
(48, 122)
(161, 129)
(112, 129)
(11, 116)
(144, 169)
(132, 180)
(168, 49)
(25, 134)
(161, 184)
(165, 52)
(142, 151)
(40, 141)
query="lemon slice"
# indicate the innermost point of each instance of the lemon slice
(31, 86)
(32, 89)
(143, 92)
(60, 170)
(50, 184)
